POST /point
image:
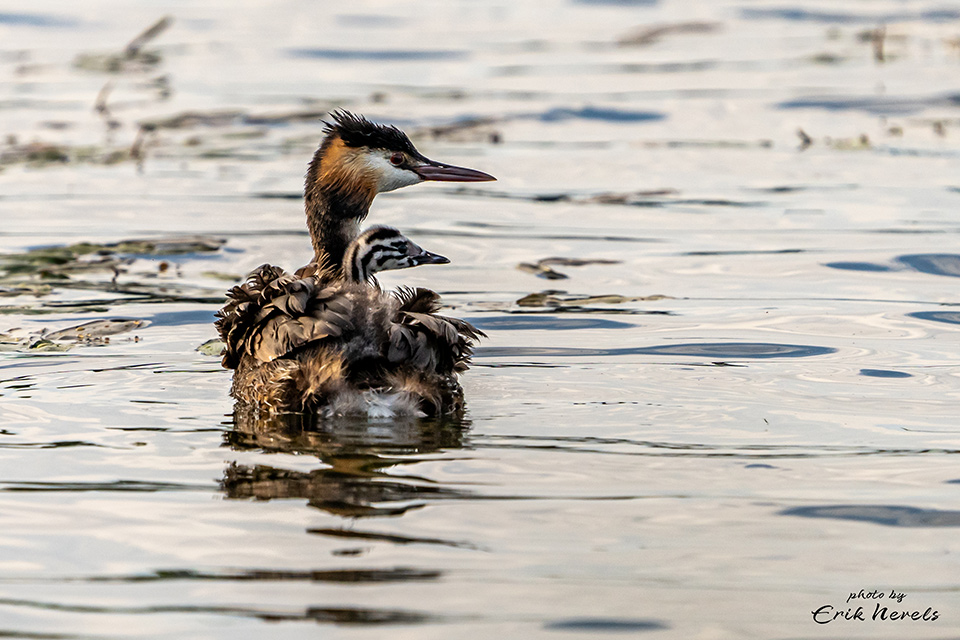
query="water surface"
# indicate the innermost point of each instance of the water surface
(734, 400)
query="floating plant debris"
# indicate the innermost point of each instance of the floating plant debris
(190, 119)
(214, 347)
(97, 329)
(858, 143)
(552, 298)
(648, 35)
(542, 268)
(169, 246)
(39, 153)
(44, 344)
(90, 256)
(19, 272)
(220, 275)
(58, 267)
(43, 154)
(474, 129)
(133, 59)
(18, 339)
(25, 290)
(541, 271)
(94, 332)
(135, 46)
(10, 343)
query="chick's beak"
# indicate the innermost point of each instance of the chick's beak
(429, 258)
(449, 173)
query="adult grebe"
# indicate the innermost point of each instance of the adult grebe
(356, 160)
(326, 339)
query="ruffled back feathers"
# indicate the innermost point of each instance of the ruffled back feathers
(308, 340)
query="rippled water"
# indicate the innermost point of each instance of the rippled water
(741, 408)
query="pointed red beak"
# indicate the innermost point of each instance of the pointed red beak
(449, 173)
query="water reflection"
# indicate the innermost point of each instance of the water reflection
(545, 322)
(606, 625)
(950, 317)
(796, 14)
(336, 576)
(353, 534)
(357, 454)
(378, 55)
(884, 373)
(558, 114)
(732, 350)
(938, 264)
(889, 515)
(335, 615)
(35, 20)
(624, 3)
(881, 106)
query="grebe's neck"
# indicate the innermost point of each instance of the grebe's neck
(333, 222)
(335, 204)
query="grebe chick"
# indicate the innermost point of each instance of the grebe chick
(383, 248)
(330, 341)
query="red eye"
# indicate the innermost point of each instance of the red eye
(396, 159)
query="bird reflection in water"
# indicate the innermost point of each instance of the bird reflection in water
(357, 454)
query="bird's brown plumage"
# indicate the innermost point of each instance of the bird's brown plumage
(311, 340)
(317, 341)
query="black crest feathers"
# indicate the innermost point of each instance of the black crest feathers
(357, 131)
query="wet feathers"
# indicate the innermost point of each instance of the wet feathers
(299, 341)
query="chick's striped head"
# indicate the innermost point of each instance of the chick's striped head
(384, 248)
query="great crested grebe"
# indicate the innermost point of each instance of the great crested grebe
(356, 160)
(326, 339)
(383, 248)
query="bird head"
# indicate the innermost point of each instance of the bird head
(382, 248)
(361, 157)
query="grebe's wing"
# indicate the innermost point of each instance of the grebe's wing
(421, 338)
(275, 313)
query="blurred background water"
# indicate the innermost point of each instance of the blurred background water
(720, 389)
